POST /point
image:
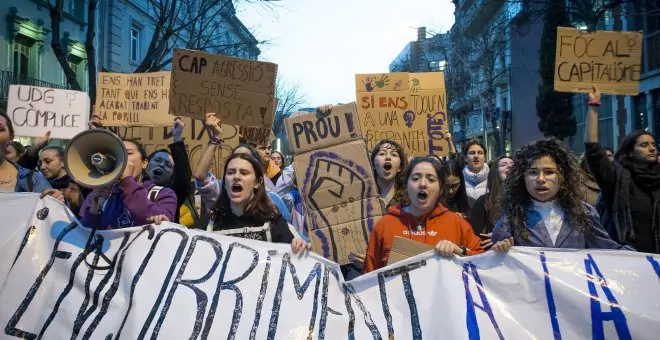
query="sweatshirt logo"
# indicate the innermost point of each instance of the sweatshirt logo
(420, 233)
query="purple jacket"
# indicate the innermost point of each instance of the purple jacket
(129, 206)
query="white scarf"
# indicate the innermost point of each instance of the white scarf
(552, 216)
(475, 183)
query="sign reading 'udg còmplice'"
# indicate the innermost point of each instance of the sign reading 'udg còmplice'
(35, 110)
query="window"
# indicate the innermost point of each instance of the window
(21, 56)
(76, 8)
(135, 45)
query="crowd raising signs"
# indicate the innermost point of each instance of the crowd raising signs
(409, 108)
(611, 60)
(240, 91)
(133, 99)
(36, 110)
(61, 281)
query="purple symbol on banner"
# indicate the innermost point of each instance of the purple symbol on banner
(409, 118)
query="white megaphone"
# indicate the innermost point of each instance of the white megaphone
(95, 158)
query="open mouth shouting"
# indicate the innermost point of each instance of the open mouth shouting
(387, 166)
(422, 196)
(158, 171)
(236, 190)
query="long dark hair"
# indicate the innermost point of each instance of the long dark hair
(453, 168)
(439, 169)
(628, 146)
(569, 196)
(399, 181)
(281, 155)
(143, 155)
(9, 123)
(259, 207)
(492, 204)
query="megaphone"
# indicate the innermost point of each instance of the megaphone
(95, 158)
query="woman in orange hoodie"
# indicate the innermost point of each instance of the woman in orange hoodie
(423, 219)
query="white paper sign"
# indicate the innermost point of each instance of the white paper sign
(60, 281)
(36, 110)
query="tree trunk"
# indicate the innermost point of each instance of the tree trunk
(56, 44)
(91, 51)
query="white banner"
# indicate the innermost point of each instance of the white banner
(36, 110)
(58, 282)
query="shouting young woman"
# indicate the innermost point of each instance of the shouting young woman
(424, 219)
(388, 161)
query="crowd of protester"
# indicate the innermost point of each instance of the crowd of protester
(543, 195)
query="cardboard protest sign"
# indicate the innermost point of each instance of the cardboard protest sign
(409, 108)
(195, 137)
(611, 60)
(36, 110)
(61, 280)
(403, 248)
(240, 91)
(131, 99)
(336, 182)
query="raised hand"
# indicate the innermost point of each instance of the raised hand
(594, 96)
(214, 124)
(95, 120)
(177, 130)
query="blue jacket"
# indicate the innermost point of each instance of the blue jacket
(39, 182)
(568, 237)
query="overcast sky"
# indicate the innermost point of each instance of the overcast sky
(322, 44)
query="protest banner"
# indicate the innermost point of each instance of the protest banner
(133, 99)
(240, 91)
(62, 281)
(611, 60)
(195, 137)
(336, 181)
(36, 110)
(409, 108)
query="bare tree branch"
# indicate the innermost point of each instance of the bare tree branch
(55, 10)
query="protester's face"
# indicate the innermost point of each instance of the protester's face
(453, 185)
(277, 159)
(240, 181)
(5, 138)
(503, 167)
(161, 168)
(610, 155)
(135, 157)
(264, 152)
(423, 188)
(476, 158)
(11, 154)
(542, 179)
(645, 150)
(50, 164)
(387, 162)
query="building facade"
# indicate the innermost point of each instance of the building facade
(123, 32)
(423, 55)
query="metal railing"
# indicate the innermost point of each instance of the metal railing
(10, 78)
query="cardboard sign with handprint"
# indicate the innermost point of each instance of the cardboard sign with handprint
(409, 108)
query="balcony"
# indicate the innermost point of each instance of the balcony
(10, 78)
(478, 15)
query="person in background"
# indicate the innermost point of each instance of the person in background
(486, 209)
(130, 202)
(630, 187)
(609, 153)
(457, 200)
(278, 159)
(207, 184)
(544, 206)
(476, 170)
(243, 208)
(15, 151)
(13, 177)
(272, 171)
(590, 189)
(424, 219)
(388, 160)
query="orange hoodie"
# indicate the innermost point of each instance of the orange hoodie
(442, 224)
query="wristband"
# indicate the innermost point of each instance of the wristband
(593, 102)
(216, 141)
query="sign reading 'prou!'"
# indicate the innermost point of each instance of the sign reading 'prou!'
(240, 91)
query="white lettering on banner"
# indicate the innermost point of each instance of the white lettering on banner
(36, 110)
(59, 281)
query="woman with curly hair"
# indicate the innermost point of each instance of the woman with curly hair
(388, 160)
(544, 206)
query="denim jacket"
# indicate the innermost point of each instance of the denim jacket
(39, 182)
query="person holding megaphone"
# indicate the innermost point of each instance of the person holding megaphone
(130, 201)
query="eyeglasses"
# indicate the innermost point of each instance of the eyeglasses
(536, 173)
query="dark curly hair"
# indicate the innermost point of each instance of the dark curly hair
(493, 197)
(569, 196)
(399, 181)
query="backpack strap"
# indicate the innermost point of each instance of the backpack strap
(30, 181)
(153, 193)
